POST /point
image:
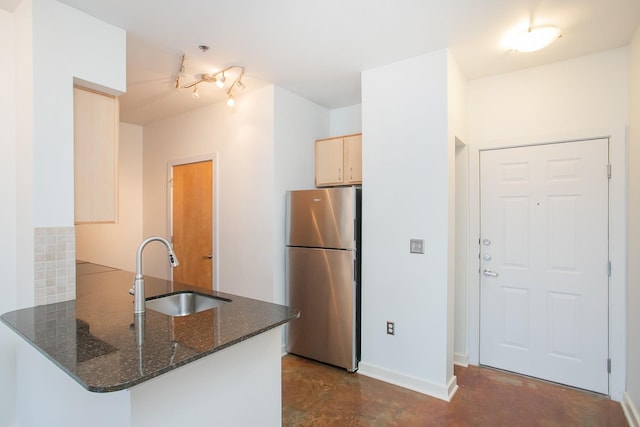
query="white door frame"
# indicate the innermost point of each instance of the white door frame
(617, 244)
(213, 157)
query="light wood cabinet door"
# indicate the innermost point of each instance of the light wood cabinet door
(329, 162)
(96, 124)
(339, 161)
(353, 159)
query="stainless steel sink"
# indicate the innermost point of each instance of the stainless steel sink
(184, 303)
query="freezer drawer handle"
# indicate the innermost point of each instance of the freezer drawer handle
(490, 273)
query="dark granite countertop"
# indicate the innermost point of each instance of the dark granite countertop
(95, 338)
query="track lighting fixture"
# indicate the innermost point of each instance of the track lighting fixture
(219, 78)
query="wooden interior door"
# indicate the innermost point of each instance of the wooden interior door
(192, 222)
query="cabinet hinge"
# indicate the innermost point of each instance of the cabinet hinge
(609, 171)
(609, 365)
(609, 268)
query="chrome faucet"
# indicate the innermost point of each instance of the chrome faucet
(137, 290)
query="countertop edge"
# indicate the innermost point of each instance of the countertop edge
(44, 353)
(52, 329)
(128, 384)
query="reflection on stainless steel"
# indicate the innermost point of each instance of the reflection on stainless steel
(184, 303)
(138, 326)
(174, 350)
(322, 274)
(322, 218)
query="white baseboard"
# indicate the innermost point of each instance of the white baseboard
(461, 359)
(283, 350)
(630, 411)
(443, 392)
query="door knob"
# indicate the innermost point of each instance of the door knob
(209, 256)
(490, 273)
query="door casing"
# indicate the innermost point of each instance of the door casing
(213, 157)
(577, 282)
(617, 242)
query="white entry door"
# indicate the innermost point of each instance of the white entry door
(544, 262)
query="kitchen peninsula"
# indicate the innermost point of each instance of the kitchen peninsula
(220, 365)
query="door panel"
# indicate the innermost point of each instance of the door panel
(192, 222)
(516, 222)
(544, 257)
(321, 285)
(322, 218)
(515, 306)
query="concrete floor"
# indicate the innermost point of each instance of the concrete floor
(314, 394)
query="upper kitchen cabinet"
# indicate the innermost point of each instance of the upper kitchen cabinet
(339, 161)
(96, 123)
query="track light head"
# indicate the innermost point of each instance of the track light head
(220, 79)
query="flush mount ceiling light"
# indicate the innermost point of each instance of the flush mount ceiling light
(533, 38)
(217, 77)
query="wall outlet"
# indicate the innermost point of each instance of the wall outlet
(391, 328)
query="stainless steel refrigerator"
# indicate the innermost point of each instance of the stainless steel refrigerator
(323, 274)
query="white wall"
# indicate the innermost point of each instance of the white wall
(24, 152)
(632, 397)
(461, 352)
(8, 301)
(458, 218)
(115, 245)
(406, 171)
(579, 98)
(66, 44)
(297, 124)
(345, 120)
(242, 138)
(263, 147)
(52, 43)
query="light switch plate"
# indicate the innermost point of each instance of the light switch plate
(416, 246)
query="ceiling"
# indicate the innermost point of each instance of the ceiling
(318, 49)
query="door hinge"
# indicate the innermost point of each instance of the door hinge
(609, 268)
(609, 365)
(609, 171)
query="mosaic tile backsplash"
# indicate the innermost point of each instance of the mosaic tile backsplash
(55, 264)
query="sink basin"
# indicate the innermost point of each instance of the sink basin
(184, 303)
